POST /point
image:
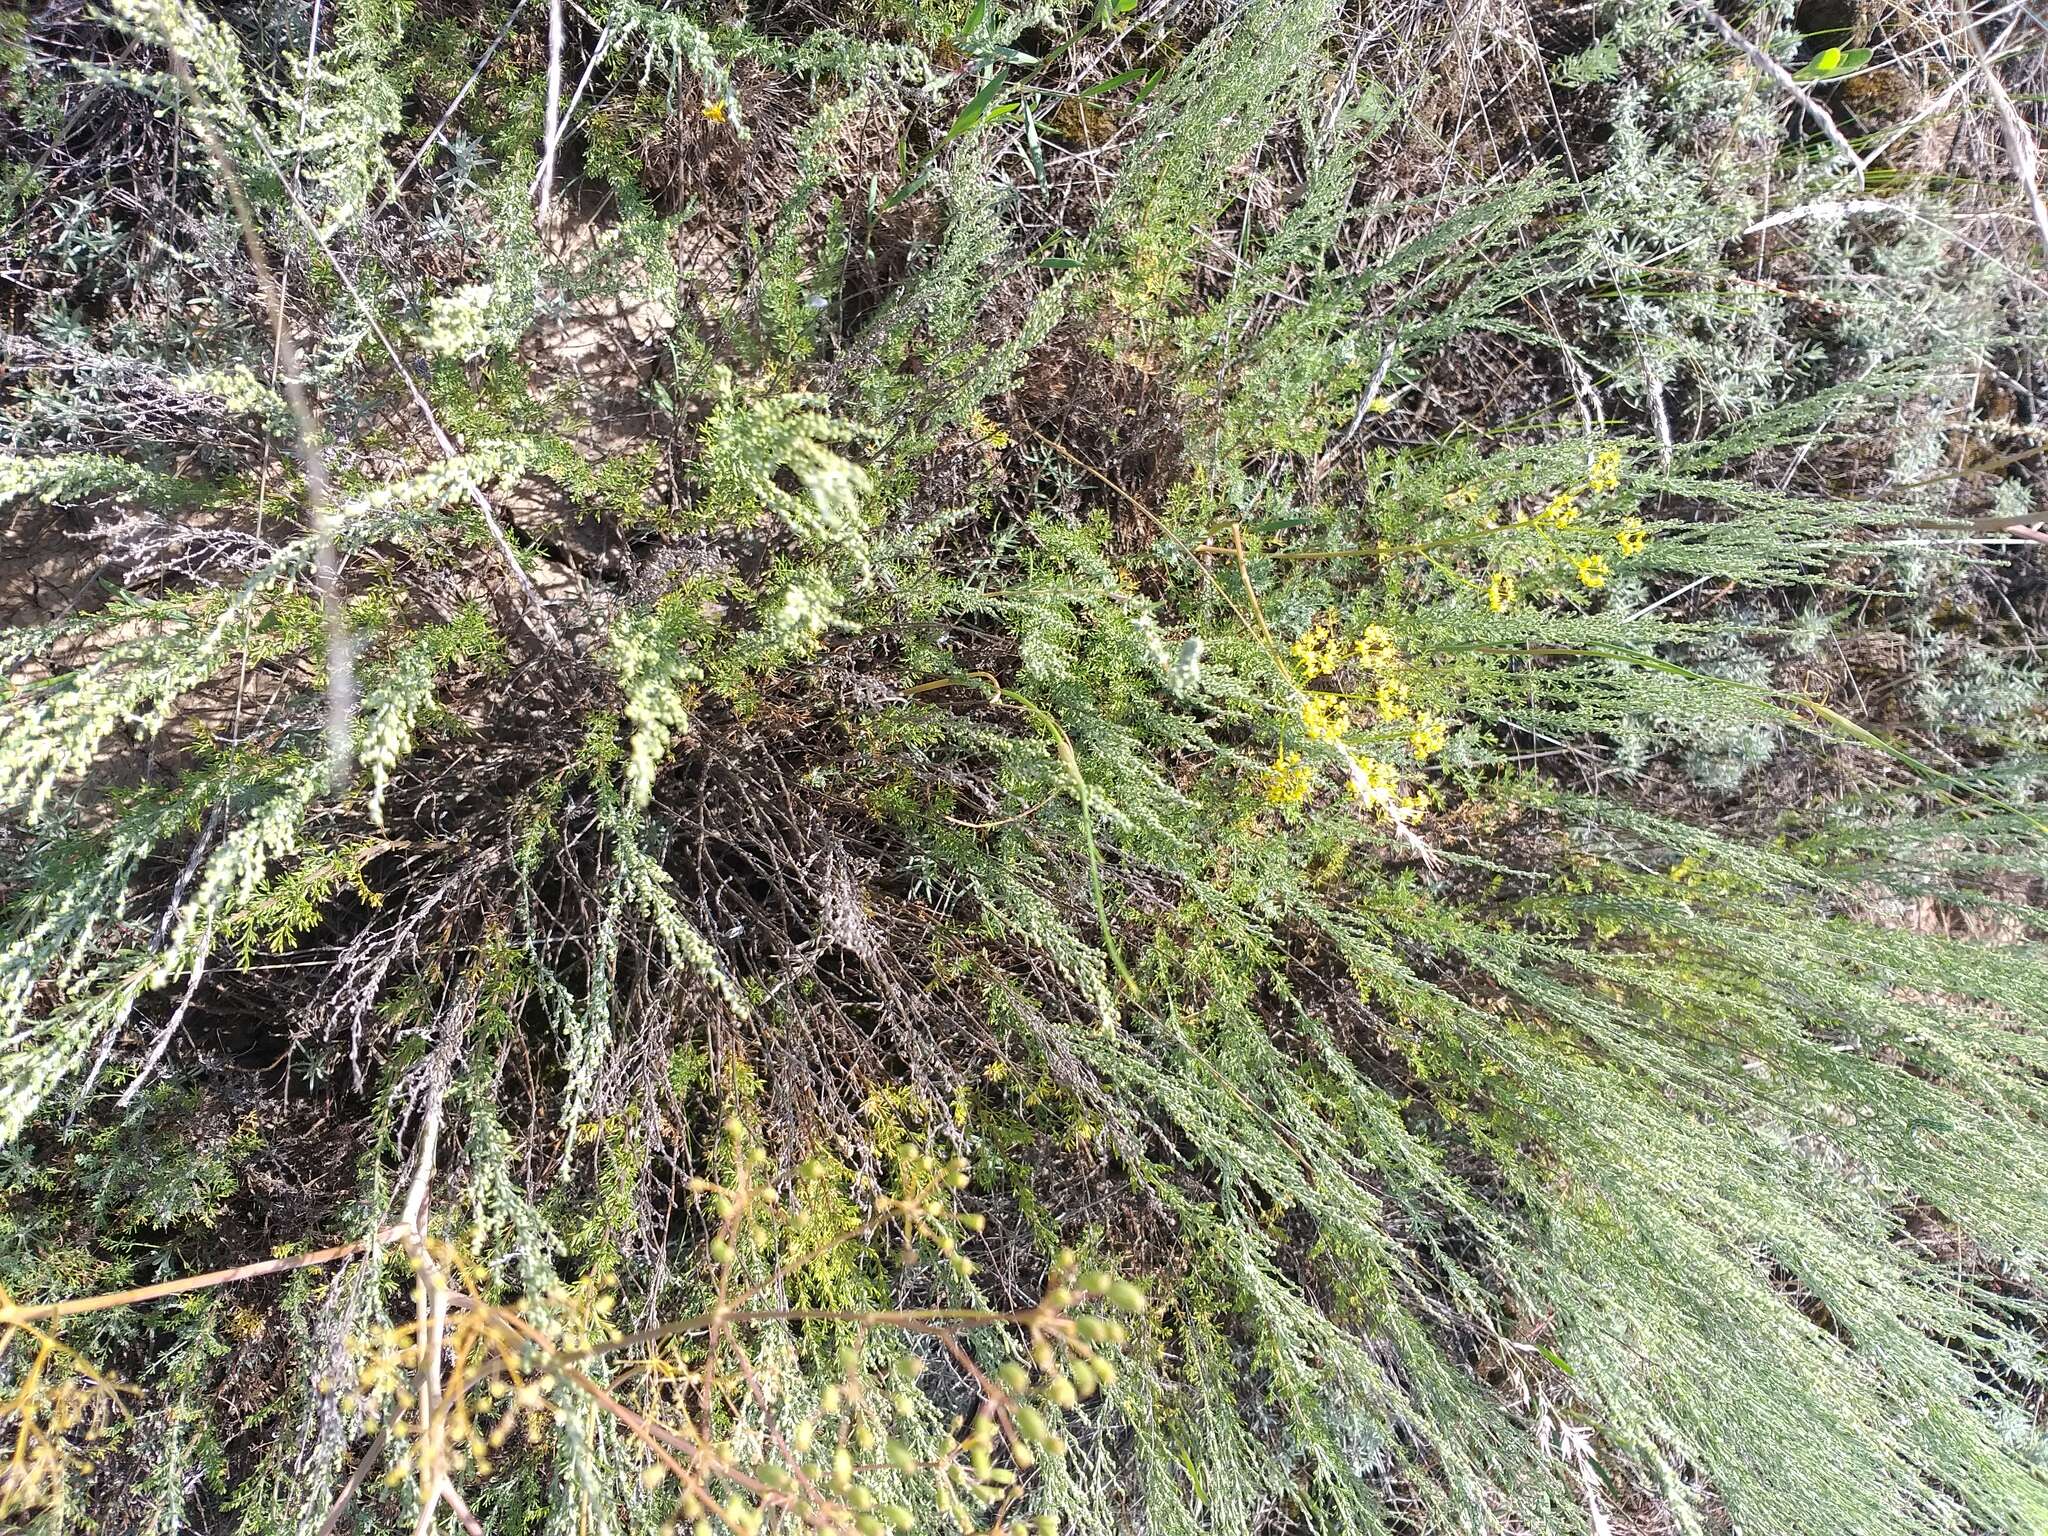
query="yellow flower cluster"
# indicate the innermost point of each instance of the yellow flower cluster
(1377, 648)
(1325, 716)
(1605, 475)
(1377, 785)
(1390, 698)
(1561, 511)
(1429, 737)
(1289, 780)
(1318, 652)
(1373, 781)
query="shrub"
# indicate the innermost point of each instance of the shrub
(655, 844)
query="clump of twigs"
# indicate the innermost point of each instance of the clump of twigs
(476, 1382)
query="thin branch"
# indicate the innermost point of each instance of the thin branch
(348, 1490)
(551, 136)
(79, 1306)
(2020, 147)
(1791, 87)
(341, 701)
(535, 611)
(454, 106)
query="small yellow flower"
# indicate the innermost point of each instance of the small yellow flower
(1379, 405)
(1606, 472)
(1561, 511)
(1377, 647)
(715, 111)
(1378, 785)
(1593, 571)
(1390, 699)
(1631, 536)
(1289, 780)
(1463, 496)
(1316, 653)
(1500, 592)
(1429, 736)
(1325, 717)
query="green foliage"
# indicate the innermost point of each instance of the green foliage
(1014, 649)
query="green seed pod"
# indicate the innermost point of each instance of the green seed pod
(907, 1368)
(899, 1517)
(1047, 1525)
(1013, 1376)
(1060, 1392)
(1125, 1297)
(900, 1456)
(1097, 1281)
(1030, 1423)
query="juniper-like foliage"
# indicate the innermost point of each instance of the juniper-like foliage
(1174, 768)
